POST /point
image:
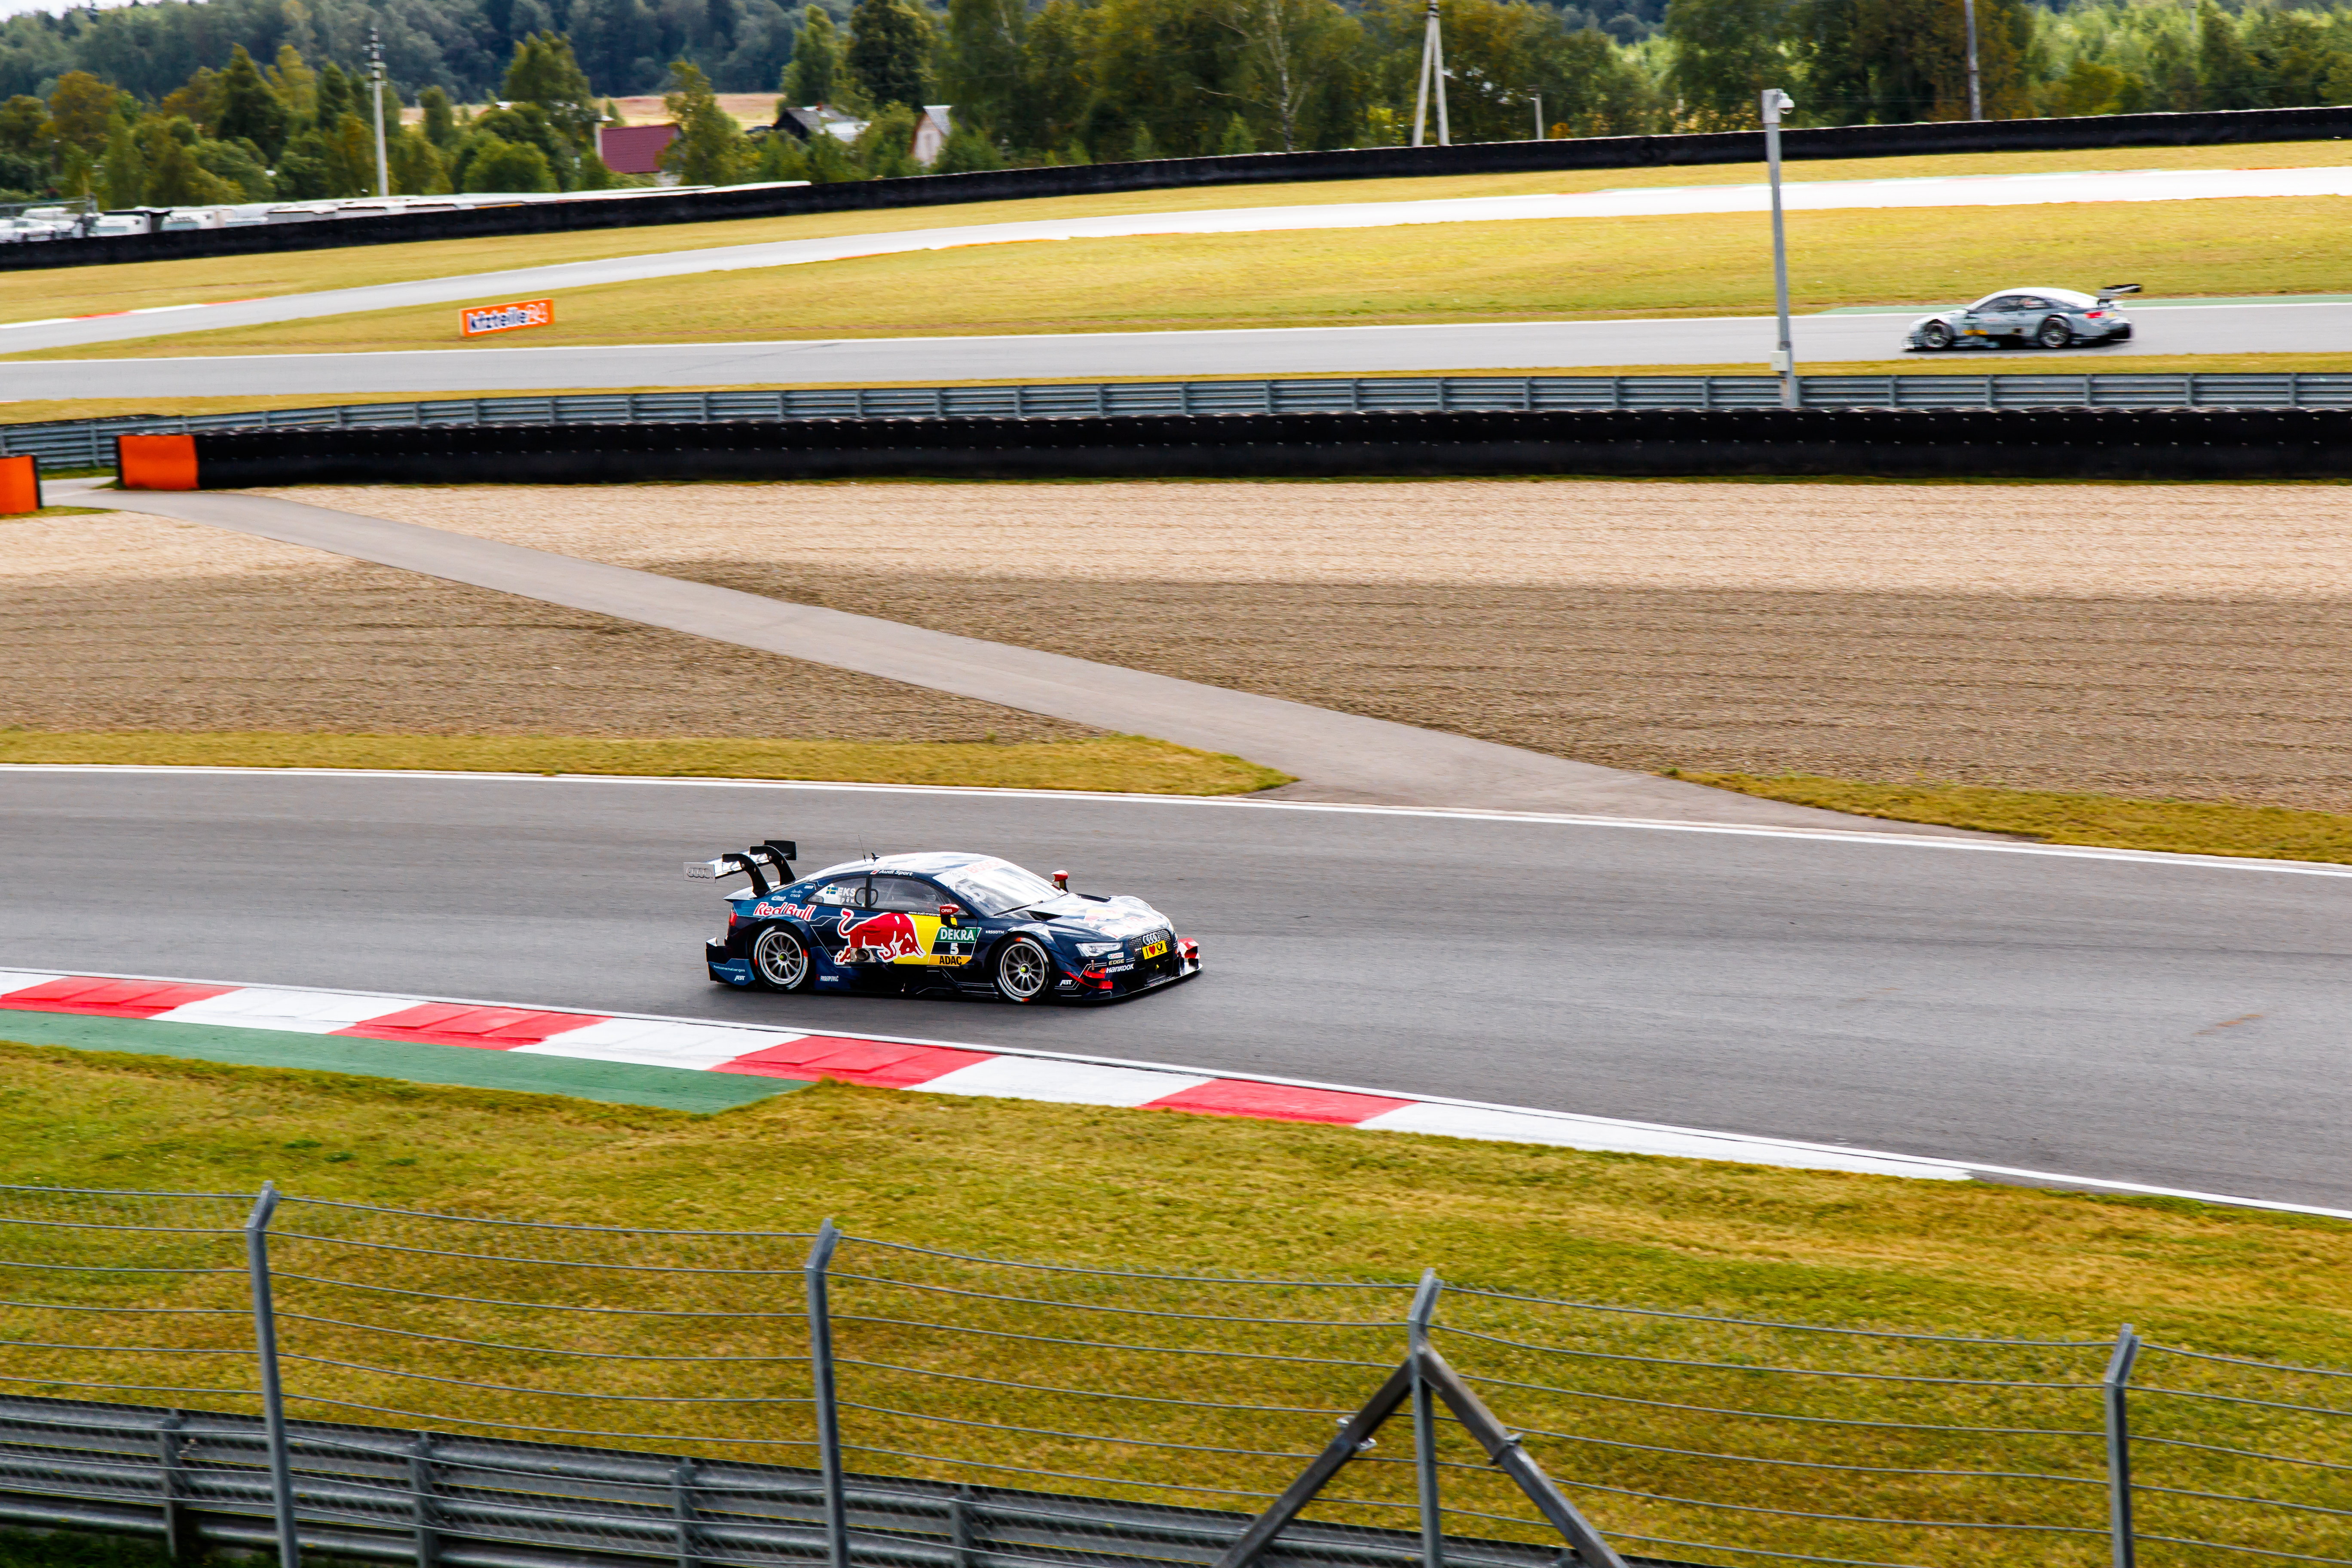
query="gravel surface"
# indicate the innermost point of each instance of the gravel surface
(126, 621)
(2184, 641)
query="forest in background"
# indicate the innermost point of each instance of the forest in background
(186, 101)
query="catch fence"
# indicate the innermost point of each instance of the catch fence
(407, 1386)
(89, 443)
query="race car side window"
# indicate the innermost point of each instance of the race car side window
(844, 893)
(908, 895)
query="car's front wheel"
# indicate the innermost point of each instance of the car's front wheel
(780, 959)
(1935, 335)
(2055, 333)
(1023, 971)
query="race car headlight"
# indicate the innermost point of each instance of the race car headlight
(1096, 949)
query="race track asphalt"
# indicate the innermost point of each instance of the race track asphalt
(1801, 194)
(1823, 342)
(2128, 1018)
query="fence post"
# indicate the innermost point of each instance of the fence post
(178, 1532)
(828, 1414)
(959, 1527)
(273, 1398)
(1424, 1423)
(682, 1510)
(2119, 1482)
(427, 1540)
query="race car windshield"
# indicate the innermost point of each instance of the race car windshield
(999, 887)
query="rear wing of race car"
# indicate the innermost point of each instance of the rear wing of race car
(2112, 290)
(779, 853)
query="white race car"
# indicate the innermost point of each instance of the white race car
(2047, 318)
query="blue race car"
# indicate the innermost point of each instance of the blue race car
(941, 922)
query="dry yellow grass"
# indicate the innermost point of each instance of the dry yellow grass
(1708, 264)
(1132, 764)
(84, 290)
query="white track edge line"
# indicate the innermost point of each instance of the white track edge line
(1966, 1167)
(1458, 814)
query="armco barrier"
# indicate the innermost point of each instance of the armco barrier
(1921, 138)
(89, 443)
(197, 1481)
(2072, 443)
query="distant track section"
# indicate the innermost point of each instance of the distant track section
(1923, 138)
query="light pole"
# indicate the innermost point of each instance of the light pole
(1784, 358)
(1976, 100)
(1540, 117)
(376, 75)
(1433, 74)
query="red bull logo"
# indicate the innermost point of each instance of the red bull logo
(881, 940)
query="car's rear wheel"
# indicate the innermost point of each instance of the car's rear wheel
(780, 959)
(1935, 335)
(1023, 971)
(2055, 333)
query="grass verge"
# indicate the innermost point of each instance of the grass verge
(1133, 764)
(90, 291)
(1250, 1201)
(2053, 816)
(53, 512)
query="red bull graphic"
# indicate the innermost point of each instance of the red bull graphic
(884, 938)
(895, 938)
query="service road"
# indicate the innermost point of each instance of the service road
(2167, 1022)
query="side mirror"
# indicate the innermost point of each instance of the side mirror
(1062, 880)
(950, 914)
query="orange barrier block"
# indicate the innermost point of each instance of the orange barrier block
(20, 485)
(157, 462)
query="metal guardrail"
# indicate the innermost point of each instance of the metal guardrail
(89, 443)
(194, 1479)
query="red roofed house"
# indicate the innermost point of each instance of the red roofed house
(635, 149)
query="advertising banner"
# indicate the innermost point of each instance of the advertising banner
(477, 320)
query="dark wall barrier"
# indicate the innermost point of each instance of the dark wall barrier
(2218, 126)
(2070, 443)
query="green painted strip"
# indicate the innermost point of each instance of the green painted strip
(618, 1083)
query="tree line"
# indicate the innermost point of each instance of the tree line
(288, 131)
(1049, 82)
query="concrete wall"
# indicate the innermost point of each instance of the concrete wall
(2067, 443)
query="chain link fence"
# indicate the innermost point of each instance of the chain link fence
(426, 1388)
(89, 443)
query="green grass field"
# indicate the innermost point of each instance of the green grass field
(84, 290)
(1162, 1190)
(1712, 264)
(1123, 763)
